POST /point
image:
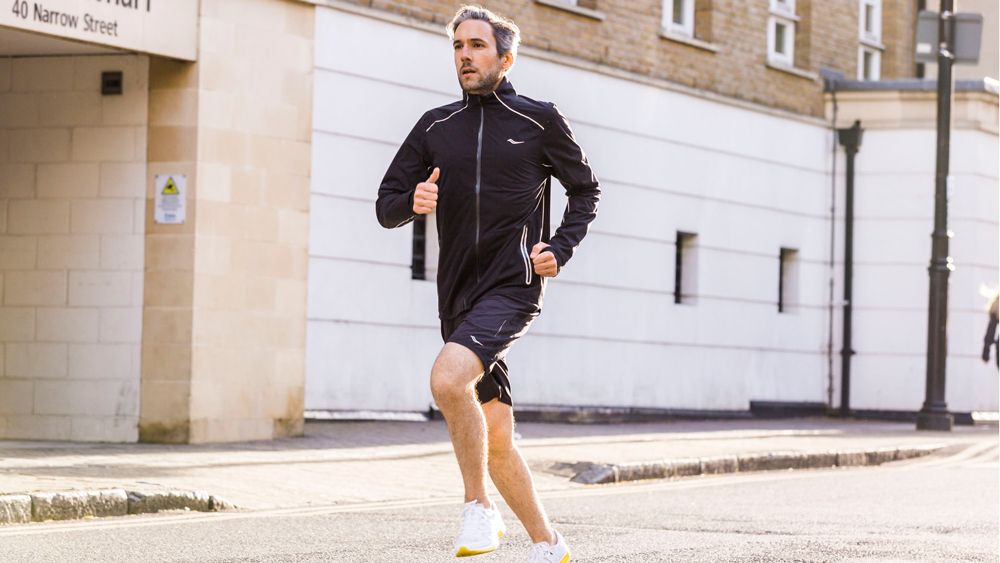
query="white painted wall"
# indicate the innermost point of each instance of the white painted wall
(72, 212)
(747, 182)
(894, 220)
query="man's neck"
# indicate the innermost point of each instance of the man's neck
(485, 91)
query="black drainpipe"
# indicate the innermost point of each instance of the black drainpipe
(850, 138)
(830, 79)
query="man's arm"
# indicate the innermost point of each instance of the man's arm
(394, 207)
(989, 338)
(570, 166)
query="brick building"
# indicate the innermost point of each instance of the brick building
(727, 47)
(711, 279)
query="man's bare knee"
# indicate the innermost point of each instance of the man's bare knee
(455, 372)
(500, 428)
(501, 444)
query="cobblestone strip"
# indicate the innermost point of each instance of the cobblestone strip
(601, 473)
(74, 505)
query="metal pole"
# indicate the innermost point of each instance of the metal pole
(850, 138)
(934, 414)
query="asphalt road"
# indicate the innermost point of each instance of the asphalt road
(931, 509)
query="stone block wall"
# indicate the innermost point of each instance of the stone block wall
(233, 323)
(72, 174)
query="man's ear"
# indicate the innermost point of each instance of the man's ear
(507, 61)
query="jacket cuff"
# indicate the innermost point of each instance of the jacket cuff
(560, 257)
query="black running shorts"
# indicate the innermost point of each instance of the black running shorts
(489, 329)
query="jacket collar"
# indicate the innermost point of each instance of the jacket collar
(504, 89)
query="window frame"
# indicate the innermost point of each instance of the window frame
(786, 59)
(685, 268)
(788, 279)
(873, 38)
(870, 43)
(783, 7)
(684, 29)
(876, 62)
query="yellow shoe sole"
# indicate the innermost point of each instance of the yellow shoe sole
(466, 552)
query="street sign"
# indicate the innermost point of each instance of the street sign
(967, 37)
(160, 27)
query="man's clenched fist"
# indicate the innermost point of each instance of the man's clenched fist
(544, 261)
(425, 199)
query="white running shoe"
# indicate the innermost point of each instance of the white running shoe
(481, 530)
(545, 552)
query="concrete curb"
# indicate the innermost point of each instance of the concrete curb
(599, 474)
(74, 505)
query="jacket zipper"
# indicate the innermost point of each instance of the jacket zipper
(479, 168)
(525, 256)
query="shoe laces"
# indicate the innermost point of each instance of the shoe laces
(541, 553)
(475, 520)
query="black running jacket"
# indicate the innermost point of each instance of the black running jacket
(496, 153)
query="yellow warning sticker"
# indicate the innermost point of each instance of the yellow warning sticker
(170, 188)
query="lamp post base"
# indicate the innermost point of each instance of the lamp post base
(936, 421)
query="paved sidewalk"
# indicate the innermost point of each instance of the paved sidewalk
(353, 462)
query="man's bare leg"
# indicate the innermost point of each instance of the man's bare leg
(511, 475)
(453, 381)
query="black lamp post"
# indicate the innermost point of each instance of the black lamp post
(934, 414)
(850, 138)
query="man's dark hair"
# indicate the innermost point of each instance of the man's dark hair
(505, 32)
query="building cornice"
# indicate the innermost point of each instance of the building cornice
(975, 110)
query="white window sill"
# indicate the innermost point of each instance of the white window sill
(781, 14)
(689, 41)
(586, 12)
(872, 44)
(808, 75)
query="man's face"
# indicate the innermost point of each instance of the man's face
(479, 68)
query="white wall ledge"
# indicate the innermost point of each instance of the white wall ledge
(689, 41)
(808, 75)
(586, 12)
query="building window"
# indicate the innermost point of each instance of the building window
(685, 268)
(678, 17)
(589, 4)
(418, 265)
(781, 33)
(783, 6)
(869, 63)
(424, 264)
(788, 279)
(870, 22)
(870, 37)
(688, 22)
(585, 8)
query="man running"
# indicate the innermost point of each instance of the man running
(484, 165)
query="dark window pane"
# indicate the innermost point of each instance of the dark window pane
(418, 269)
(685, 268)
